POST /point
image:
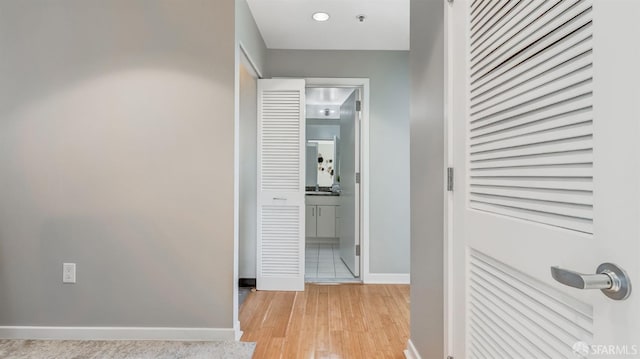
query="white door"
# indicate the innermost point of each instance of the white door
(349, 149)
(281, 185)
(546, 138)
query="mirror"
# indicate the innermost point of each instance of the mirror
(321, 162)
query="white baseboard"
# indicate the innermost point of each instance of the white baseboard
(387, 278)
(411, 352)
(118, 333)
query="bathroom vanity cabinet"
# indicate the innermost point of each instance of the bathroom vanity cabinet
(321, 214)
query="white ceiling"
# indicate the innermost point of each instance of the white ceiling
(327, 96)
(287, 24)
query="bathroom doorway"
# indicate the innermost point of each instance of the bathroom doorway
(333, 178)
(336, 218)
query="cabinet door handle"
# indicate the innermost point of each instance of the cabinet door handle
(313, 211)
(319, 211)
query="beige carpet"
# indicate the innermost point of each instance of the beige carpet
(70, 349)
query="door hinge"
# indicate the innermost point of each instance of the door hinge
(450, 179)
(358, 105)
(358, 177)
(357, 249)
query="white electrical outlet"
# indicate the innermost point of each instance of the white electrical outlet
(68, 272)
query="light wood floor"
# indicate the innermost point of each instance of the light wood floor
(328, 321)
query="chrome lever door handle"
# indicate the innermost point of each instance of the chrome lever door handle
(612, 280)
(579, 280)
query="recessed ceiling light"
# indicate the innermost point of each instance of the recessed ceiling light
(320, 16)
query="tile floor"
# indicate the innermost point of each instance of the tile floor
(323, 262)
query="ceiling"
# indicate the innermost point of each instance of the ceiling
(327, 96)
(287, 24)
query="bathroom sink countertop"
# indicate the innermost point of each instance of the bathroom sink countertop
(321, 193)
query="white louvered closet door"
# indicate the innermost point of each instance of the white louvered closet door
(546, 147)
(281, 170)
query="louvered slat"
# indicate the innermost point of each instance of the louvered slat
(280, 241)
(540, 137)
(513, 315)
(573, 223)
(525, 18)
(563, 145)
(541, 28)
(280, 131)
(571, 184)
(576, 197)
(553, 159)
(535, 67)
(535, 102)
(531, 112)
(482, 14)
(493, 23)
(532, 125)
(543, 81)
(563, 38)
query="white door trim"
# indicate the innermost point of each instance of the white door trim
(249, 59)
(448, 200)
(242, 55)
(236, 187)
(364, 163)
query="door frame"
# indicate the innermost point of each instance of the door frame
(362, 83)
(242, 56)
(449, 249)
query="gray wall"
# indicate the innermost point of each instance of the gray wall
(427, 177)
(389, 134)
(249, 36)
(116, 152)
(248, 201)
(322, 132)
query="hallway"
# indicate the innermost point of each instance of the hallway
(328, 321)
